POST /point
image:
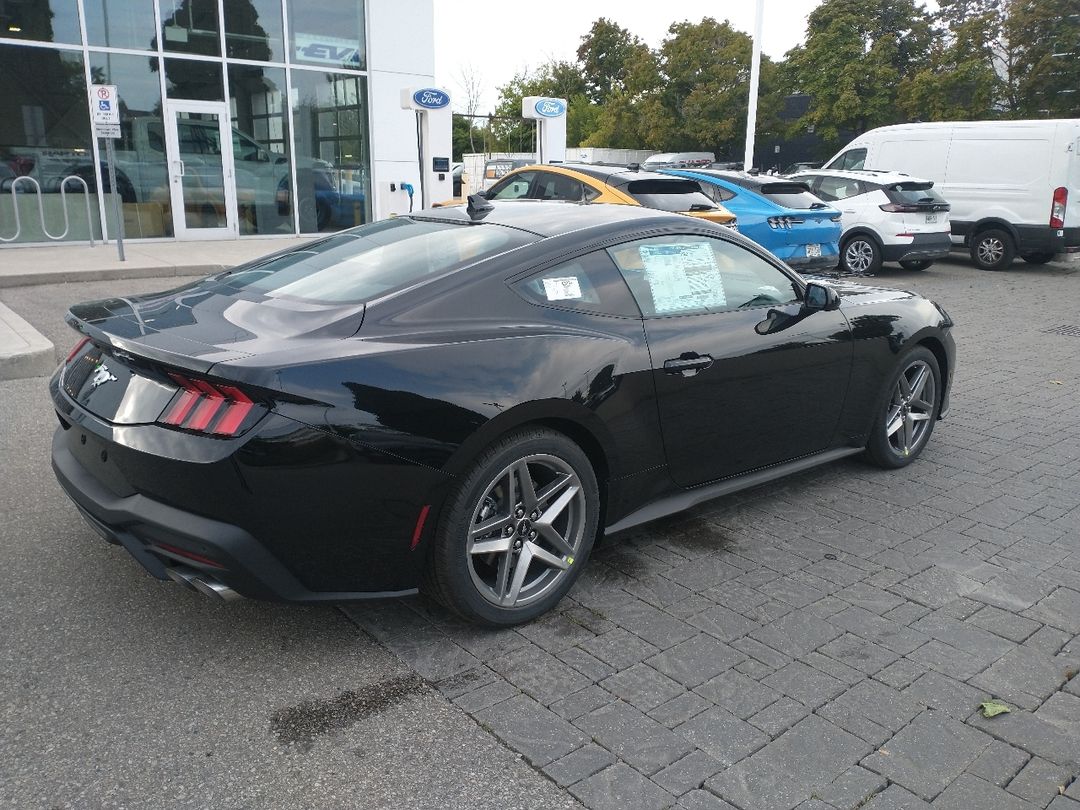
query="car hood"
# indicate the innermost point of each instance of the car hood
(206, 323)
(854, 294)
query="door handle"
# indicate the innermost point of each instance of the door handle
(689, 364)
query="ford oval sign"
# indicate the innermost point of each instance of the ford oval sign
(431, 99)
(551, 107)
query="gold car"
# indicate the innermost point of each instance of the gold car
(610, 184)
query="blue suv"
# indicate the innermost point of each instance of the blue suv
(780, 215)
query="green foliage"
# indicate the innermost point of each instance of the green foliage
(864, 63)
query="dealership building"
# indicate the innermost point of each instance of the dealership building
(238, 118)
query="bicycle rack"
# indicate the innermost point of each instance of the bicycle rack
(41, 207)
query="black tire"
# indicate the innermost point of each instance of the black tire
(887, 449)
(916, 264)
(860, 254)
(486, 587)
(992, 249)
(1039, 258)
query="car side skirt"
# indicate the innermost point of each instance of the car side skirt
(685, 499)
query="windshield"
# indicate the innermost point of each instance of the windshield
(670, 195)
(369, 261)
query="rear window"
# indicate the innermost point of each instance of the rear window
(790, 195)
(369, 261)
(913, 193)
(670, 195)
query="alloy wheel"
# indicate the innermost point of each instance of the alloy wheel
(859, 256)
(526, 530)
(990, 249)
(911, 409)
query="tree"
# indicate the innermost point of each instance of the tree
(966, 76)
(857, 53)
(472, 88)
(606, 57)
(1045, 35)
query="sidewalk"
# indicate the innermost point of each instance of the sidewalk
(24, 352)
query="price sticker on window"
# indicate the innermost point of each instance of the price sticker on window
(562, 289)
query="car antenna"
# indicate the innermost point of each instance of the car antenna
(478, 207)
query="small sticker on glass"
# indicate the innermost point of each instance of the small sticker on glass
(562, 289)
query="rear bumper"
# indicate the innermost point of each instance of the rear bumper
(923, 246)
(804, 264)
(143, 525)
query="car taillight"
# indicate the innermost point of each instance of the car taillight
(784, 223)
(198, 405)
(901, 208)
(1057, 209)
(76, 349)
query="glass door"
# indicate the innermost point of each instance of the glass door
(201, 181)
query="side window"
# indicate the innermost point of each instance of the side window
(552, 186)
(692, 275)
(838, 188)
(512, 188)
(851, 159)
(589, 283)
(717, 193)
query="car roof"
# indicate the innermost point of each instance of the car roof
(753, 182)
(553, 217)
(876, 175)
(617, 176)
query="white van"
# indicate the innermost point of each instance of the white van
(1009, 182)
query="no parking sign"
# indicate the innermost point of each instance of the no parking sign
(105, 110)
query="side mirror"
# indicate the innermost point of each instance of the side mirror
(820, 296)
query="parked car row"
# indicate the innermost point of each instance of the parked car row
(815, 221)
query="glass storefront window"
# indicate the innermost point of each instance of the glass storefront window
(330, 116)
(260, 137)
(328, 33)
(141, 170)
(120, 23)
(44, 135)
(190, 78)
(42, 20)
(190, 26)
(253, 30)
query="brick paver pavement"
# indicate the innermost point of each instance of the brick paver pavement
(824, 641)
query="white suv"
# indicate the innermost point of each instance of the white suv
(886, 217)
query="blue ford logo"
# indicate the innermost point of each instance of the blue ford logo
(551, 107)
(431, 98)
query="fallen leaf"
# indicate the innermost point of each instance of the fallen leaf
(992, 708)
(1056, 382)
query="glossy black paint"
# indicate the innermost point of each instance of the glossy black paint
(375, 409)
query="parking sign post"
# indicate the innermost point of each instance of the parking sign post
(105, 115)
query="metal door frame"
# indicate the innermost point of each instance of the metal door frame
(175, 169)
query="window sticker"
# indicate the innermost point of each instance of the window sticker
(683, 277)
(562, 289)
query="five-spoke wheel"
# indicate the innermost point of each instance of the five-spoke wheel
(517, 531)
(910, 410)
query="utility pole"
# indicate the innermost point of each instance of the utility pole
(755, 77)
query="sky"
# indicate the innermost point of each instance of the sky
(499, 38)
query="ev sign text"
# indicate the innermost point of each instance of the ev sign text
(105, 110)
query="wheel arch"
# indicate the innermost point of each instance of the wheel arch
(992, 223)
(932, 343)
(860, 230)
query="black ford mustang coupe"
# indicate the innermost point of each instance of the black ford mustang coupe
(463, 400)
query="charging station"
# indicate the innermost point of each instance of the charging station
(434, 143)
(550, 117)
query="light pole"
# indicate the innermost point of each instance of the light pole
(755, 77)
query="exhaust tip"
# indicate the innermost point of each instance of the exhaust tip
(203, 583)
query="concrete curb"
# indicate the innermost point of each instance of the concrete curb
(29, 279)
(24, 352)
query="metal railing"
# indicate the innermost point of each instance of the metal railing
(13, 185)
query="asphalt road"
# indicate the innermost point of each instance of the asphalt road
(117, 690)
